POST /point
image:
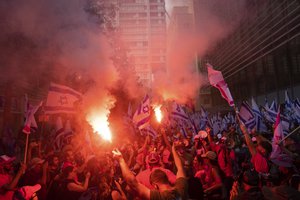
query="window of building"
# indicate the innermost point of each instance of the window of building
(140, 1)
(143, 14)
(153, 7)
(153, 14)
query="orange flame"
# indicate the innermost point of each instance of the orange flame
(100, 124)
(158, 113)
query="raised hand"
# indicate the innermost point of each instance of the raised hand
(117, 154)
(88, 175)
(207, 129)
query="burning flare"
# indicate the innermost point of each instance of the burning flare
(100, 124)
(158, 113)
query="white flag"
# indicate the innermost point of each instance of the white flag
(216, 79)
(30, 120)
(61, 99)
(177, 112)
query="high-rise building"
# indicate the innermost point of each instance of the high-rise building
(261, 58)
(170, 4)
(181, 25)
(142, 25)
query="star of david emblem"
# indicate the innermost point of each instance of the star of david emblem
(146, 109)
(63, 100)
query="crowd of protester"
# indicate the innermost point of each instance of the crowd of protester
(233, 165)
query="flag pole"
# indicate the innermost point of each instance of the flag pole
(237, 114)
(26, 148)
(288, 135)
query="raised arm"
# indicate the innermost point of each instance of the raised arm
(140, 189)
(13, 184)
(80, 188)
(208, 130)
(178, 163)
(248, 139)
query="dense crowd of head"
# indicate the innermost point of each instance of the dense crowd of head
(234, 165)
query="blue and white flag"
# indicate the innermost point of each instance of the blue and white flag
(271, 116)
(266, 103)
(273, 106)
(291, 111)
(204, 121)
(149, 130)
(247, 116)
(141, 117)
(297, 103)
(63, 134)
(216, 122)
(178, 112)
(61, 99)
(260, 125)
(287, 101)
(29, 117)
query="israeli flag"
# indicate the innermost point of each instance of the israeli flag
(247, 116)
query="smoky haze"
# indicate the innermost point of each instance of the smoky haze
(55, 40)
(214, 20)
(52, 40)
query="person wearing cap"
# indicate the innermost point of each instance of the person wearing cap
(247, 187)
(153, 161)
(159, 180)
(212, 183)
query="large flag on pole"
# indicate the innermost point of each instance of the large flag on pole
(216, 79)
(141, 117)
(30, 120)
(61, 99)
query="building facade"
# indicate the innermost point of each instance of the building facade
(142, 25)
(261, 58)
